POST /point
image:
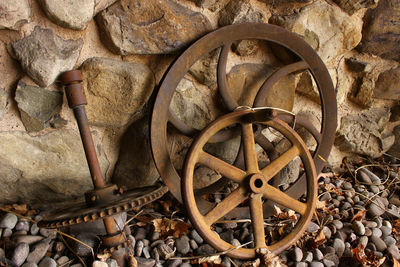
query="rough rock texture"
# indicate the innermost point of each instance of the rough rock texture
(352, 6)
(195, 104)
(43, 168)
(100, 5)
(381, 33)
(37, 106)
(3, 101)
(363, 94)
(239, 11)
(135, 166)
(388, 85)
(212, 5)
(339, 32)
(245, 80)
(150, 27)
(43, 55)
(395, 149)
(73, 14)
(14, 14)
(205, 69)
(116, 91)
(364, 133)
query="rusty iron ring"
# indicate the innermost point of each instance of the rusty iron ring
(253, 184)
(223, 37)
(82, 213)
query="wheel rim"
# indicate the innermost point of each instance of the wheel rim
(223, 37)
(253, 182)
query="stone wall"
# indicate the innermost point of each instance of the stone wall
(124, 48)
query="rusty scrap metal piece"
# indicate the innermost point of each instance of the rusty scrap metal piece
(307, 59)
(253, 184)
(104, 200)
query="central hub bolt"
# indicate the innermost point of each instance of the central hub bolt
(257, 183)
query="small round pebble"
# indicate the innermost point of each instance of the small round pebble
(386, 230)
(9, 221)
(316, 264)
(34, 229)
(389, 240)
(99, 264)
(317, 254)
(358, 228)
(339, 246)
(328, 263)
(308, 257)
(379, 243)
(376, 232)
(49, 262)
(22, 225)
(182, 245)
(312, 227)
(296, 254)
(62, 260)
(199, 240)
(301, 264)
(29, 264)
(139, 248)
(20, 254)
(38, 252)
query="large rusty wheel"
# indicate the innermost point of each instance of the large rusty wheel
(305, 59)
(253, 183)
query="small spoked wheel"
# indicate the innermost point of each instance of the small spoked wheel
(253, 186)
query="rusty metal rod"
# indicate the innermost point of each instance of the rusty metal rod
(77, 101)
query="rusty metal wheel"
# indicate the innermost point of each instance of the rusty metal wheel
(306, 59)
(253, 183)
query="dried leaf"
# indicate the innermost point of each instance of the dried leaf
(395, 262)
(211, 260)
(367, 259)
(271, 260)
(132, 261)
(290, 214)
(314, 243)
(169, 227)
(103, 257)
(320, 205)
(166, 205)
(359, 215)
(255, 263)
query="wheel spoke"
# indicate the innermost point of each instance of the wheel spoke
(276, 76)
(257, 218)
(226, 205)
(250, 153)
(221, 78)
(277, 165)
(222, 167)
(283, 199)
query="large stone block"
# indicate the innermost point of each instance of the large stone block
(365, 133)
(324, 26)
(14, 14)
(150, 27)
(43, 55)
(381, 33)
(116, 91)
(44, 168)
(388, 85)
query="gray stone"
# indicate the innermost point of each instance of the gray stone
(29, 239)
(20, 253)
(308, 257)
(89, 239)
(301, 264)
(296, 254)
(143, 262)
(317, 255)
(139, 248)
(394, 250)
(150, 27)
(205, 69)
(7, 232)
(193, 244)
(22, 225)
(316, 264)
(182, 245)
(8, 220)
(111, 263)
(339, 246)
(3, 101)
(376, 208)
(212, 5)
(328, 263)
(386, 230)
(205, 249)
(379, 243)
(27, 166)
(395, 149)
(99, 264)
(38, 251)
(74, 14)
(37, 106)
(140, 233)
(14, 14)
(29, 264)
(133, 84)
(239, 12)
(34, 229)
(61, 261)
(373, 177)
(50, 233)
(2, 255)
(174, 263)
(338, 224)
(327, 232)
(312, 227)
(389, 240)
(381, 33)
(43, 55)
(376, 232)
(146, 252)
(364, 133)
(358, 227)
